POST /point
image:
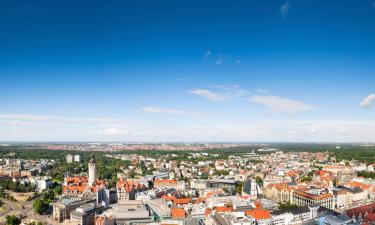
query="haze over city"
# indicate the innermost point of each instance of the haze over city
(187, 71)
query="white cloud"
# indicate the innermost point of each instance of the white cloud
(237, 61)
(278, 104)
(56, 119)
(221, 92)
(227, 129)
(157, 110)
(210, 95)
(367, 101)
(273, 103)
(108, 133)
(284, 10)
(111, 131)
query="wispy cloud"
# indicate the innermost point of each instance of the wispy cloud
(219, 60)
(367, 101)
(272, 103)
(221, 92)
(28, 118)
(210, 95)
(211, 57)
(229, 129)
(179, 112)
(206, 56)
(284, 9)
(278, 104)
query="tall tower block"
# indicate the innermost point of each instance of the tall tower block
(93, 172)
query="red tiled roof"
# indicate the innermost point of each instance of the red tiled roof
(178, 213)
(358, 184)
(224, 209)
(129, 185)
(258, 204)
(177, 201)
(292, 173)
(80, 184)
(370, 209)
(160, 181)
(199, 200)
(259, 214)
(207, 211)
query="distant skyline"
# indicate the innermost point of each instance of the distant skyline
(189, 71)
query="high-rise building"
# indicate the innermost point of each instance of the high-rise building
(93, 173)
(251, 188)
(77, 158)
(69, 158)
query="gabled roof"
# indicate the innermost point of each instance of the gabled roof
(129, 185)
(178, 213)
(224, 209)
(161, 181)
(259, 214)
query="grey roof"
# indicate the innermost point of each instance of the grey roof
(225, 181)
(243, 208)
(130, 213)
(354, 190)
(219, 220)
(160, 207)
(338, 218)
(294, 211)
(67, 201)
(131, 209)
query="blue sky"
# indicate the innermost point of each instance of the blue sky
(168, 70)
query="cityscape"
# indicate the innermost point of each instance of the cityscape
(222, 184)
(187, 112)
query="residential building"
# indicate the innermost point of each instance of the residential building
(127, 189)
(313, 197)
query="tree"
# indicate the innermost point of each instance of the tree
(2, 195)
(39, 206)
(48, 196)
(58, 176)
(58, 189)
(12, 220)
(306, 179)
(287, 206)
(259, 181)
(239, 188)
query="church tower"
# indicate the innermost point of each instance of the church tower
(93, 172)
